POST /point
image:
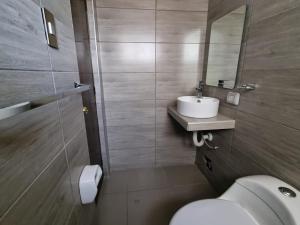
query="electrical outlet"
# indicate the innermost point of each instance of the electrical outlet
(233, 98)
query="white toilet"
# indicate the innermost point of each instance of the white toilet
(253, 200)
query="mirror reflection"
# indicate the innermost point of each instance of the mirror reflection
(224, 49)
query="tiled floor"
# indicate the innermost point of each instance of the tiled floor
(149, 196)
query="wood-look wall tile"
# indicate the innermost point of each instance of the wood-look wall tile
(129, 4)
(126, 25)
(64, 59)
(274, 47)
(72, 116)
(179, 58)
(51, 195)
(187, 5)
(277, 92)
(121, 137)
(65, 80)
(269, 8)
(130, 113)
(28, 143)
(128, 86)
(250, 166)
(78, 158)
(172, 156)
(74, 218)
(180, 27)
(24, 45)
(61, 9)
(169, 86)
(213, 3)
(20, 86)
(223, 7)
(127, 57)
(226, 167)
(270, 144)
(168, 131)
(129, 158)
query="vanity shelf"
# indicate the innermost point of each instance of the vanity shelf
(219, 122)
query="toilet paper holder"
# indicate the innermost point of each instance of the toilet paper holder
(88, 183)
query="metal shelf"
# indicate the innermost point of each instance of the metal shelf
(26, 106)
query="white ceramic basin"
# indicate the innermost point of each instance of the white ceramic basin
(204, 107)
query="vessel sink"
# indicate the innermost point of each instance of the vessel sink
(192, 106)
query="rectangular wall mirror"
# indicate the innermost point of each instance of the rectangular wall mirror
(224, 49)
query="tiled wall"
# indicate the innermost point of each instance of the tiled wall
(151, 52)
(267, 135)
(42, 151)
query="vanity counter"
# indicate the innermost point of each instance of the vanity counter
(220, 122)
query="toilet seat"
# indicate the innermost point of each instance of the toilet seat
(212, 212)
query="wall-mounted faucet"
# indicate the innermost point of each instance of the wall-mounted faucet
(199, 89)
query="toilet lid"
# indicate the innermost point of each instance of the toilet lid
(212, 212)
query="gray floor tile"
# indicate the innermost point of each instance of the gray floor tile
(184, 175)
(115, 183)
(148, 178)
(112, 209)
(150, 207)
(150, 196)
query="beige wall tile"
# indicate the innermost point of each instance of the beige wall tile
(274, 47)
(188, 5)
(20, 86)
(23, 45)
(128, 86)
(130, 113)
(28, 143)
(121, 137)
(126, 25)
(170, 86)
(127, 57)
(132, 4)
(179, 58)
(51, 193)
(180, 26)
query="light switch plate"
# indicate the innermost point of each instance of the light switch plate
(233, 98)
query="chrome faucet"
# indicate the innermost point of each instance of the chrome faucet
(199, 89)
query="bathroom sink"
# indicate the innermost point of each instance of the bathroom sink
(192, 106)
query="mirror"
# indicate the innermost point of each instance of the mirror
(224, 49)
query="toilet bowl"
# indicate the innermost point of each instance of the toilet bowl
(253, 200)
